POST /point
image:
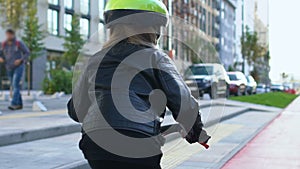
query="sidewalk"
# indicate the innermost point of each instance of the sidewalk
(228, 138)
(33, 139)
(277, 146)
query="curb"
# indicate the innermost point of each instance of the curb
(76, 165)
(224, 118)
(25, 136)
(31, 135)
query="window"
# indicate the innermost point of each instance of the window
(102, 4)
(85, 7)
(222, 41)
(200, 70)
(101, 32)
(84, 27)
(209, 24)
(53, 17)
(68, 22)
(52, 21)
(68, 4)
(53, 2)
(85, 18)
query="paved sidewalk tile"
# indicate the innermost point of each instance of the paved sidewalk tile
(179, 151)
(228, 137)
(277, 146)
(42, 154)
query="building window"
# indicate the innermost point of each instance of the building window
(68, 22)
(85, 7)
(53, 17)
(102, 4)
(52, 22)
(85, 27)
(68, 4)
(223, 14)
(101, 32)
(53, 2)
(69, 12)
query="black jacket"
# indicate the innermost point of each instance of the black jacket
(124, 77)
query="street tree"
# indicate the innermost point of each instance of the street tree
(60, 79)
(33, 37)
(250, 47)
(13, 13)
(73, 42)
(284, 76)
(253, 52)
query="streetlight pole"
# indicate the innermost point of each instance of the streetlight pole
(243, 35)
(170, 25)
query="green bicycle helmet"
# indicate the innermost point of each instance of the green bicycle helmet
(138, 12)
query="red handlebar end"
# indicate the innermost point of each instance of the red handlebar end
(205, 145)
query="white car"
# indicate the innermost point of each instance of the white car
(251, 86)
(238, 83)
(261, 88)
(277, 87)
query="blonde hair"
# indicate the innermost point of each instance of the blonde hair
(133, 34)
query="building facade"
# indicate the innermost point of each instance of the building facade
(246, 19)
(227, 49)
(55, 16)
(262, 31)
(204, 16)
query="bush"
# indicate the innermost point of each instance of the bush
(59, 81)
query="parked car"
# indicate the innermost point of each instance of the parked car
(261, 88)
(277, 87)
(238, 83)
(251, 85)
(268, 89)
(207, 78)
(289, 90)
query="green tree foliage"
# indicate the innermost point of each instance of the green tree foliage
(250, 47)
(33, 34)
(73, 42)
(284, 76)
(255, 54)
(13, 12)
(231, 68)
(60, 81)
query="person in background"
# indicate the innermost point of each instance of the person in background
(14, 54)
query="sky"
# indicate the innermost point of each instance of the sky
(284, 38)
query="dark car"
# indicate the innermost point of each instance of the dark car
(238, 83)
(207, 78)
